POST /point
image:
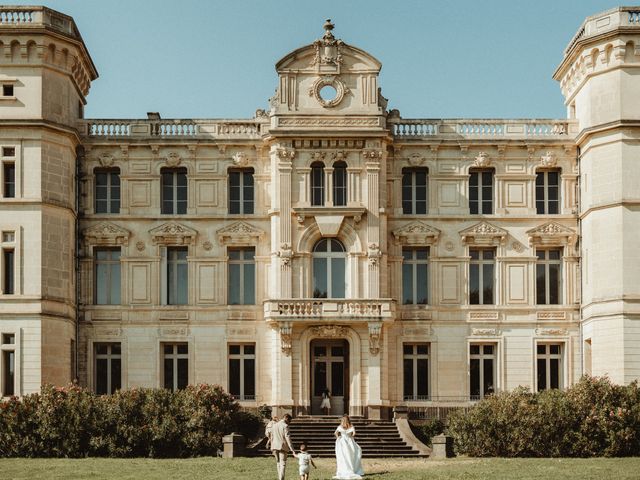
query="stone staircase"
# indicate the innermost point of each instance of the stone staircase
(377, 438)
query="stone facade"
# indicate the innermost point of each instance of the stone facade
(375, 254)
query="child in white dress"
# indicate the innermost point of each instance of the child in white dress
(304, 462)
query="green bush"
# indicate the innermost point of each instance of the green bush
(428, 429)
(592, 418)
(73, 422)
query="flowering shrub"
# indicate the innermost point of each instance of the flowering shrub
(591, 418)
(73, 422)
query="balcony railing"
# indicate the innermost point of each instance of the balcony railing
(35, 16)
(333, 308)
(407, 129)
(171, 128)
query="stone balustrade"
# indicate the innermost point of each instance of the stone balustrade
(36, 16)
(170, 128)
(495, 129)
(334, 308)
(605, 21)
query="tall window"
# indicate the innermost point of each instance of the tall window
(482, 369)
(177, 276)
(415, 276)
(481, 192)
(176, 366)
(329, 259)
(242, 276)
(549, 365)
(548, 192)
(481, 276)
(317, 184)
(107, 191)
(108, 358)
(241, 191)
(548, 277)
(242, 371)
(9, 179)
(9, 274)
(107, 276)
(340, 184)
(414, 190)
(8, 363)
(174, 190)
(416, 371)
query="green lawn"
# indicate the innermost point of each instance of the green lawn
(262, 468)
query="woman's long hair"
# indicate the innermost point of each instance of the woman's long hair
(345, 422)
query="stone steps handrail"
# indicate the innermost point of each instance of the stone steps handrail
(474, 128)
(96, 128)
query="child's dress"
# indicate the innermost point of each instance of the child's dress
(304, 462)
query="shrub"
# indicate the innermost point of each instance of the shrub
(592, 418)
(428, 429)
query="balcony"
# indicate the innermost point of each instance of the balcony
(334, 309)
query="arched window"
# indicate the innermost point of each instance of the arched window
(329, 258)
(317, 184)
(340, 184)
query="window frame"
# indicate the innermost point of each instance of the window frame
(243, 205)
(340, 189)
(547, 356)
(242, 356)
(172, 266)
(481, 356)
(176, 204)
(242, 263)
(479, 263)
(15, 349)
(113, 205)
(413, 188)
(109, 357)
(329, 256)
(317, 170)
(414, 357)
(109, 264)
(544, 174)
(546, 262)
(480, 187)
(174, 356)
(414, 263)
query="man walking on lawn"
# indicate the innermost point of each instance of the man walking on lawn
(281, 444)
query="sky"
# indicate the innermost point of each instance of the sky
(215, 59)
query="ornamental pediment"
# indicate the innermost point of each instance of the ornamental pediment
(173, 233)
(240, 233)
(483, 233)
(106, 233)
(551, 233)
(417, 233)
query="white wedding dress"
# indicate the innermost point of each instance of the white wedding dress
(348, 455)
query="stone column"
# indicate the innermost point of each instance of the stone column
(353, 194)
(374, 394)
(305, 186)
(328, 187)
(281, 220)
(373, 158)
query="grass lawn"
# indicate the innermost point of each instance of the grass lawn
(263, 468)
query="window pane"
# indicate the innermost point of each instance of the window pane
(474, 385)
(422, 284)
(234, 349)
(422, 349)
(542, 374)
(116, 375)
(337, 351)
(168, 348)
(487, 284)
(554, 349)
(319, 378)
(337, 378)
(102, 283)
(9, 274)
(320, 351)
(234, 377)
(474, 349)
(182, 348)
(320, 278)
(554, 284)
(249, 377)
(423, 377)
(115, 284)
(554, 254)
(554, 374)
(183, 373)
(474, 284)
(488, 386)
(487, 349)
(249, 349)
(101, 376)
(234, 284)
(168, 373)
(338, 278)
(183, 284)
(541, 349)
(9, 180)
(408, 377)
(540, 285)
(101, 349)
(249, 284)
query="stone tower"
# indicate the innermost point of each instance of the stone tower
(600, 80)
(45, 76)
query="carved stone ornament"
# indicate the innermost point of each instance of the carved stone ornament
(552, 233)
(374, 254)
(173, 159)
(140, 246)
(416, 233)
(327, 48)
(415, 159)
(106, 160)
(285, 337)
(517, 246)
(317, 156)
(285, 253)
(106, 233)
(375, 334)
(332, 81)
(484, 331)
(240, 159)
(329, 331)
(284, 153)
(551, 331)
(483, 233)
(173, 233)
(339, 155)
(449, 246)
(482, 160)
(372, 154)
(207, 245)
(548, 160)
(240, 233)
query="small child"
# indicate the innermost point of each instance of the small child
(304, 459)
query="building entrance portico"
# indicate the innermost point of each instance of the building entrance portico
(329, 371)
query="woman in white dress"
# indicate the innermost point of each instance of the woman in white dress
(348, 452)
(325, 406)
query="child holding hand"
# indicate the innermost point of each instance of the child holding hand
(304, 462)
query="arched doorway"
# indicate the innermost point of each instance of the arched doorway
(329, 364)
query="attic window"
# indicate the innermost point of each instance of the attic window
(7, 90)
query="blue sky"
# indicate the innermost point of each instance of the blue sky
(215, 59)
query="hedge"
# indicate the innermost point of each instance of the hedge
(592, 418)
(74, 422)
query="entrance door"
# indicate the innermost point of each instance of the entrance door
(329, 360)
